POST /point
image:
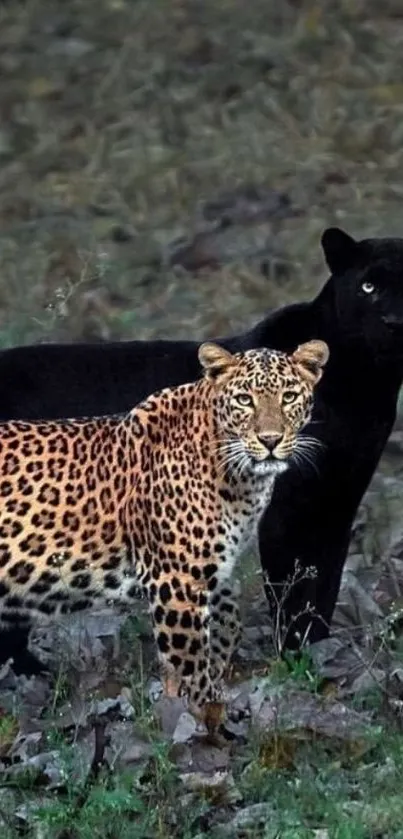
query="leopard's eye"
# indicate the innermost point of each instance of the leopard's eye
(244, 399)
(289, 396)
(368, 287)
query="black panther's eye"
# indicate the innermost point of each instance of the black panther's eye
(368, 287)
(244, 399)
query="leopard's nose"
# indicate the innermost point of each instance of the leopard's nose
(270, 441)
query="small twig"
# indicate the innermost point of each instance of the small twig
(101, 741)
(280, 628)
(393, 576)
(98, 761)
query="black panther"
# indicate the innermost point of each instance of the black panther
(359, 314)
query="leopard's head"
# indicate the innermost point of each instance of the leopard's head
(261, 400)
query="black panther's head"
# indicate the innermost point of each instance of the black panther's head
(367, 282)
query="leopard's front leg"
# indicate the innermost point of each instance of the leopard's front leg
(181, 618)
(225, 626)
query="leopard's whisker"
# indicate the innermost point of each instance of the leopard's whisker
(309, 447)
(311, 441)
(230, 458)
(241, 465)
(230, 450)
(225, 445)
(231, 445)
(234, 458)
(302, 458)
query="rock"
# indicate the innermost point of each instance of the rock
(368, 679)
(256, 817)
(291, 709)
(238, 225)
(126, 748)
(246, 204)
(168, 711)
(355, 607)
(220, 786)
(185, 729)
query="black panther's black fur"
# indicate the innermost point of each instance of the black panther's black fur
(359, 313)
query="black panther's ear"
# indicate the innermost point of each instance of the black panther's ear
(340, 249)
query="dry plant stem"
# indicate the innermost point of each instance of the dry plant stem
(280, 629)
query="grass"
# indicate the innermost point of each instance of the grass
(303, 784)
(124, 799)
(321, 786)
(331, 789)
(119, 120)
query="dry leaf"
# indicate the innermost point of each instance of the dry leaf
(278, 752)
(40, 87)
(389, 93)
(185, 728)
(168, 710)
(312, 20)
(219, 788)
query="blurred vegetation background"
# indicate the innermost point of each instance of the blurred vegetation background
(167, 168)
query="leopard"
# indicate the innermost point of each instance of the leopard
(162, 500)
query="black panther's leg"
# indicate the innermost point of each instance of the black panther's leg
(328, 583)
(14, 644)
(303, 550)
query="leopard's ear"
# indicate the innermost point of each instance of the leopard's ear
(215, 360)
(310, 359)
